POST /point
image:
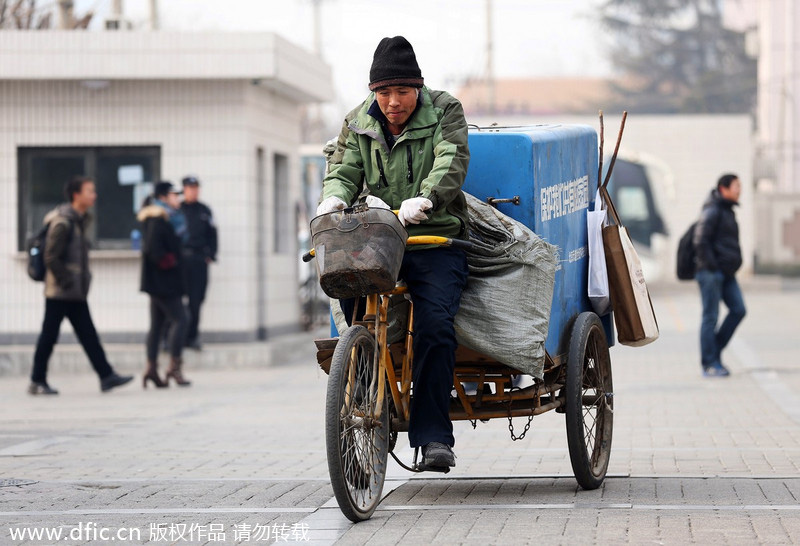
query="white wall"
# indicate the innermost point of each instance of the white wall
(273, 124)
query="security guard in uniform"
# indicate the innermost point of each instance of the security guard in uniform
(199, 251)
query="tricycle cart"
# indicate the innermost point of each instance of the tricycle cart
(544, 177)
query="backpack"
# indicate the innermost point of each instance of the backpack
(35, 250)
(686, 268)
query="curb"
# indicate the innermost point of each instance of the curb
(16, 360)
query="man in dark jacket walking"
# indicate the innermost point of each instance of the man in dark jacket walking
(66, 258)
(199, 251)
(407, 145)
(718, 257)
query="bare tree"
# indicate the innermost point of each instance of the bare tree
(677, 56)
(27, 15)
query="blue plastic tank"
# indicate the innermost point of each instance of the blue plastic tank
(553, 170)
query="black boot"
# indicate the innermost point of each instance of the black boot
(174, 372)
(151, 374)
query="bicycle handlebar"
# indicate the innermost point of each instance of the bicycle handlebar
(417, 240)
(436, 240)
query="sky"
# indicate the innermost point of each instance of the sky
(532, 38)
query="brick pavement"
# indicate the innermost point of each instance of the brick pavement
(694, 460)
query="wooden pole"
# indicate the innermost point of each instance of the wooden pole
(612, 210)
(600, 163)
(616, 149)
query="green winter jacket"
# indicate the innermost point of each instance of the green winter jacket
(429, 159)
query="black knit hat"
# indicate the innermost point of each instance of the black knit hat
(394, 63)
(164, 187)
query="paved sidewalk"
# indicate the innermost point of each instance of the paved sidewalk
(694, 460)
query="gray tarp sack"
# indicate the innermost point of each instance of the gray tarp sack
(505, 309)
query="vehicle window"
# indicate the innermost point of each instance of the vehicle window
(632, 204)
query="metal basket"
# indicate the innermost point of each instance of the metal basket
(358, 251)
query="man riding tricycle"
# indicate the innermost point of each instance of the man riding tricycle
(488, 292)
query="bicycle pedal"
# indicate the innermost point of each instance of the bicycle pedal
(422, 467)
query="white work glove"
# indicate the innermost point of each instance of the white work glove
(330, 204)
(377, 203)
(412, 211)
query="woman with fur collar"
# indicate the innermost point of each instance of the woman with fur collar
(163, 279)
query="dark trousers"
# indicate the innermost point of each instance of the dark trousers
(81, 319)
(170, 311)
(435, 280)
(196, 283)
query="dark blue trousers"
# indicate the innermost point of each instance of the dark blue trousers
(435, 278)
(715, 287)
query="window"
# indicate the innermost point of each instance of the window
(123, 176)
(282, 208)
(632, 204)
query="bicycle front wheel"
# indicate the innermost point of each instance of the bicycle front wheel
(356, 436)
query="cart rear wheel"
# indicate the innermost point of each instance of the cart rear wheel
(589, 404)
(357, 441)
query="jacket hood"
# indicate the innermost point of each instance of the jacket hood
(65, 210)
(152, 211)
(716, 198)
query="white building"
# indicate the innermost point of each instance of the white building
(131, 108)
(771, 27)
(777, 165)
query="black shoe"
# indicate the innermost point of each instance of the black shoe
(436, 455)
(114, 380)
(194, 344)
(40, 388)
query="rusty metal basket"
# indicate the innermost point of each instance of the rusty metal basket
(358, 250)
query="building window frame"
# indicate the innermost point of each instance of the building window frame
(115, 220)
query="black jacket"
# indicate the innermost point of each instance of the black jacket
(202, 231)
(162, 265)
(716, 237)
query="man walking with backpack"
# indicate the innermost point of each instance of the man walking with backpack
(67, 278)
(718, 257)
